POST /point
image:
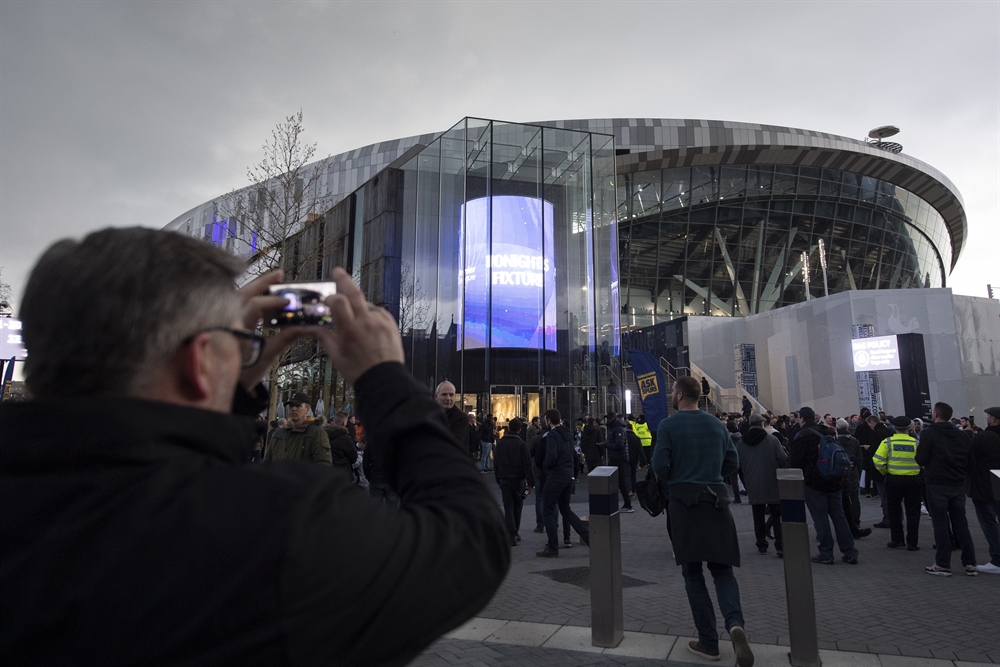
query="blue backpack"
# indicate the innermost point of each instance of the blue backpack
(832, 462)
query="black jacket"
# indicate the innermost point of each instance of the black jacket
(511, 460)
(458, 423)
(803, 452)
(559, 453)
(635, 451)
(342, 448)
(152, 543)
(945, 453)
(986, 450)
(590, 444)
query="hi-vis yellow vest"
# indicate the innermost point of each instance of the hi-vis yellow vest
(642, 430)
(895, 456)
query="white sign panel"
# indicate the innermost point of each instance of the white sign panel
(10, 339)
(875, 354)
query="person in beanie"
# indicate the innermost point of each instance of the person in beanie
(303, 440)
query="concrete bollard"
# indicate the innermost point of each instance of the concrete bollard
(606, 620)
(798, 570)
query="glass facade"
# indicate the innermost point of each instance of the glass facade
(507, 274)
(741, 240)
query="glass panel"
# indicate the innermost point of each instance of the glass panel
(407, 271)
(473, 335)
(425, 274)
(606, 277)
(449, 312)
(676, 188)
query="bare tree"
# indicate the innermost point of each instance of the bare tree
(6, 297)
(285, 195)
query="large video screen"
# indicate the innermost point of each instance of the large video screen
(517, 275)
(11, 344)
(875, 354)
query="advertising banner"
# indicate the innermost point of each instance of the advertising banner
(879, 353)
(652, 388)
(745, 356)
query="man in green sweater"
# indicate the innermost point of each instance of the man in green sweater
(694, 454)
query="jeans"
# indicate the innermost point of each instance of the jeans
(760, 531)
(824, 507)
(510, 490)
(539, 498)
(987, 513)
(944, 502)
(880, 487)
(558, 488)
(903, 490)
(383, 491)
(632, 466)
(852, 505)
(622, 483)
(484, 462)
(726, 590)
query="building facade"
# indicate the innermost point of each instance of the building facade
(515, 256)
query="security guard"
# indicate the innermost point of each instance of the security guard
(903, 484)
(641, 429)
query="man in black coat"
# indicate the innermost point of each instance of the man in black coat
(823, 495)
(945, 453)
(513, 474)
(154, 543)
(342, 449)
(458, 421)
(986, 451)
(590, 444)
(558, 462)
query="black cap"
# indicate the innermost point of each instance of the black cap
(807, 413)
(756, 418)
(902, 422)
(993, 412)
(297, 399)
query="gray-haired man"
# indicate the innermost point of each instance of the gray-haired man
(154, 542)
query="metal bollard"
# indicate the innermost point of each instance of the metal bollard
(798, 570)
(606, 621)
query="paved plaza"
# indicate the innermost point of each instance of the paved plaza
(885, 611)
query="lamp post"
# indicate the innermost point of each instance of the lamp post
(822, 263)
(805, 274)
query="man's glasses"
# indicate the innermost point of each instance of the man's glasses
(250, 343)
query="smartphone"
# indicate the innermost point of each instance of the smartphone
(305, 304)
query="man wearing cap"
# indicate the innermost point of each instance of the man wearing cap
(986, 449)
(895, 458)
(303, 440)
(823, 496)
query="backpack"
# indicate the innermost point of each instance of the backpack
(618, 443)
(832, 462)
(647, 491)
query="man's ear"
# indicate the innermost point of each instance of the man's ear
(195, 368)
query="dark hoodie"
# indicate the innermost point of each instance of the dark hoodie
(945, 452)
(804, 451)
(342, 448)
(986, 449)
(559, 451)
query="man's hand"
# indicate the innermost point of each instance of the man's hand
(256, 302)
(362, 336)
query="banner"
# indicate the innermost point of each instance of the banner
(652, 388)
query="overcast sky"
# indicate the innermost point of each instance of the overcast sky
(131, 113)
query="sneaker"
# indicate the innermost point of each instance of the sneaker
(939, 571)
(762, 552)
(864, 532)
(822, 560)
(696, 648)
(913, 547)
(547, 553)
(567, 544)
(895, 545)
(744, 656)
(971, 570)
(779, 553)
(513, 541)
(880, 524)
(539, 529)
(627, 510)
(517, 536)
(989, 568)
(850, 560)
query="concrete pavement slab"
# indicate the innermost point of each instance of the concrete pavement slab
(522, 634)
(904, 661)
(572, 638)
(844, 659)
(477, 629)
(644, 645)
